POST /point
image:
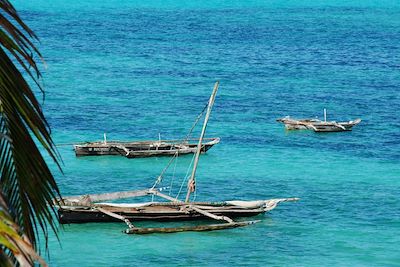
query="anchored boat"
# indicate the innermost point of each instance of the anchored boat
(93, 208)
(317, 125)
(140, 149)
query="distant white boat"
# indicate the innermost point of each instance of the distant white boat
(318, 125)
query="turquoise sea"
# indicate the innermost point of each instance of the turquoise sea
(135, 69)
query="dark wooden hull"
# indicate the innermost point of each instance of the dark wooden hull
(67, 217)
(141, 149)
(152, 213)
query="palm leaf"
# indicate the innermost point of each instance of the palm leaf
(27, 185)
(15, 243)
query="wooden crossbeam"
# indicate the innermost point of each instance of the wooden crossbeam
(127, 151)
(158, 193)
(340, 126)
(212, 216)
(117, 216)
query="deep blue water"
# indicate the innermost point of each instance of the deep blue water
(135, 69)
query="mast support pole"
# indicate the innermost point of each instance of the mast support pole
(203, 131)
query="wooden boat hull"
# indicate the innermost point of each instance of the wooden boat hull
(141, 149)
(318, 125)
(334, 127)
(69, 216)
(166, 212)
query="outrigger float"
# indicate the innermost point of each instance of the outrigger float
(93, 208)
(317, 125)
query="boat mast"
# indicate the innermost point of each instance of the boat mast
(191, 181)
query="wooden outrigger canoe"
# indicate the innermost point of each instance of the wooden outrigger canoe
(318, 125)
(84, 209)
(140, 149)
(92, 208)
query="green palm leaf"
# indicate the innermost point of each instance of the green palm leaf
(27, 185)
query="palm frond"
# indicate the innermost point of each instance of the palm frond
(27, 184)
(12, 240)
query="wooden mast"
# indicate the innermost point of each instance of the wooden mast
(191, 181)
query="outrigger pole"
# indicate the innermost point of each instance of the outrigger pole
(192, 180)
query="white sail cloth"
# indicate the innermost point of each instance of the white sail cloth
(264, 204)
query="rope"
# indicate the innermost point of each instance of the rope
(159, 178)
(175, 157)
(195, 122)
(173, 176)
(186, 176)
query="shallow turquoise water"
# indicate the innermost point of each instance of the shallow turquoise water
(135, 69)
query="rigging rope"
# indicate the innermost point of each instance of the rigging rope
(160, 177)
(173, 176)
(185, 178)
(195, 122)
(175, 157)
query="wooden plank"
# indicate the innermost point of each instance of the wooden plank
(111, 214)
(158, 193)
(197, 228)
(340, 126)
(208, 214)
(311, 126)
(117, 216)
(127, 151)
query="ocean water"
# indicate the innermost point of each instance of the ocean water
(135, 69)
